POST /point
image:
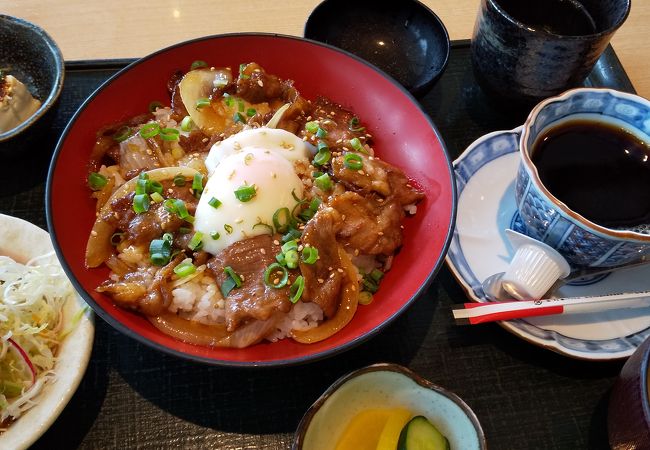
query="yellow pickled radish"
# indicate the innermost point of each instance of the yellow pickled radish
(363, 431)
(390, 434)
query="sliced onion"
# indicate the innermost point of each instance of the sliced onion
(345, 312)
(275, 120)
(99, 247)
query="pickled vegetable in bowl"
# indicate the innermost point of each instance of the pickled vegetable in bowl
(388, 407)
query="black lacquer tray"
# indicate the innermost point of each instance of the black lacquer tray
(135, 397)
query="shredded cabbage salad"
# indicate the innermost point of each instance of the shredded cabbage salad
(32, 296)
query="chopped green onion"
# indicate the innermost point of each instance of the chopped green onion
(250, 112)
(295, 291)
(185, 268)
(309, 255)
(280, 259)
(160, 251)
(282, 220)
(353, 125)
(290, 245)
(169, 134)
(227, 286)
(122, 134)
(186, 123)
(312, 127)
(142, 186)
(228, 100)
(231, 273)
(242, 75)
(153, 106)
(228, 228)
(177, 206)
(365, 298)
(353, 161)
(356, 144)
(197, 184)
(184, 230)
(214, 202)
(196, 243)
(323, 182)
(240, 105)
(96, 181)
(116, 238)
(308, 213)
(141, 203)
(168, 237)
(215, 235)
(376, 275)
(282, 279)
(264, 225)
(156, 186)
(143, 176)
(245, 193)
(369, 285)
(323, 156)
(316, 174)
(238, 117)
(321, 133)
(198, 64)
(179, 180)
(202, 103)
(291, 234)
(156, 197)
(150, 130)
(291, 258)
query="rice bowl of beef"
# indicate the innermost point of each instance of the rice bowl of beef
(399, 151)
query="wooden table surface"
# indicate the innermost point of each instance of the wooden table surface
(93, 29)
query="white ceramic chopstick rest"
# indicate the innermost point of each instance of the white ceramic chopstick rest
(533, 269)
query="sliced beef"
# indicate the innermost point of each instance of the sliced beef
(323, 280)
(376, 176)
(254, 299)
(368, 225)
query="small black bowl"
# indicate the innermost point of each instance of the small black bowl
(31, 55)
(404, 39)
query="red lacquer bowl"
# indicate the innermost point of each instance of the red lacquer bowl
(403, 135)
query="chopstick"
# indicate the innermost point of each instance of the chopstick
(475, 313)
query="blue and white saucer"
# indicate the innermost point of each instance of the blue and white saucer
(485, 177)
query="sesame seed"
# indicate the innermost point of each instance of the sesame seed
(276, 280)
(204, 140)
(321, 281)
(330, 268)
(339, 270)
(301, 247)
(332, 274)
(356, 252)
(361, 172)
(276, 242)
(93, 233)
(242, 277)
(260, 83)
(263, 251)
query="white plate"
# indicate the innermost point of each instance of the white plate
(485, 178)
(21, 239)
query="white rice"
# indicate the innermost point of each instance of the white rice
(200, 300)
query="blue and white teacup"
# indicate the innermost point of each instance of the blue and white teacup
(582, 242)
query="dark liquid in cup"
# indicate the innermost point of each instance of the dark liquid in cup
(598, 170)
(563, 17)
